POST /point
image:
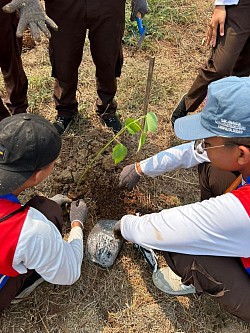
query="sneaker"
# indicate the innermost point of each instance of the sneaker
(180, 110)
(112, 123)
(29, 285)
(62, 124)
(168, 282)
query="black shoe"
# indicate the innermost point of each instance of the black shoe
(180, 110)
(113, 123)
(62, 124)
(29, 285)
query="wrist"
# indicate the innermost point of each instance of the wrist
(138, 169)
(77, 223)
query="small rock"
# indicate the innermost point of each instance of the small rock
(66, 176)
(108, 163)
(77, 176)
(82, 153)
(102, 248)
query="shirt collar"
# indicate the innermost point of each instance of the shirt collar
(246, 182)
(11, 197)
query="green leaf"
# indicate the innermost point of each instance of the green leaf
(142, 140)
(133, 126)
(151, 122)
(119, 153)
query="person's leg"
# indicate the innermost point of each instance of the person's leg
(66, 50)
(3, 111)
(15, 285)
(48, 208)
(213, 181)
(11, 289)
(11, 65)
(242, 66)
(222, 60)
(222, 278)
(224, 56)
(106, 29)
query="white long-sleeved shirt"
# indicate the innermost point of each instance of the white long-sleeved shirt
(182, 156)
(41, 247)
(226, 2)
(219, 226)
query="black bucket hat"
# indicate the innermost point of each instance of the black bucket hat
(28, 142)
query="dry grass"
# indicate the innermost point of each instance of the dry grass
(122, 299)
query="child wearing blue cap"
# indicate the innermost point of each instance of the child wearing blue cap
(206, 244)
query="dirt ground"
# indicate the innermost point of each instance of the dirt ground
(122, 299)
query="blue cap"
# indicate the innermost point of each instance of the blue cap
(226, 112)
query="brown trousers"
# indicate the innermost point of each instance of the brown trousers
(105, 21)
(11, 65)
(213, 181)
(223, 278)
(53, 213)
(231, 56)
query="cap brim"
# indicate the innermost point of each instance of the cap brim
(190, 128)
(10, 181)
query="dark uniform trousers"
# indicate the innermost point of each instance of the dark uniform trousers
(223, 278)
(231, 56)
(104, 21)
(11, 65)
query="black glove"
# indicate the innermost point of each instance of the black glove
(138, 6)
(78, 211)
(128, 177)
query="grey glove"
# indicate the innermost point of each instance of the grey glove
(61, 199)
(138, 6)
(128, 177)
(78, 211)
(32, 14)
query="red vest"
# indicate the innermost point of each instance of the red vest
(243, 194)
(10, 230)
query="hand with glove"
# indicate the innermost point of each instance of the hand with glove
(61, 199)
(138, 6)
(78, 212)
(129, 176)
(32, 14)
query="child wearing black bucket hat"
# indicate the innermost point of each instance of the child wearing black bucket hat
(31, 246)
(206, 244)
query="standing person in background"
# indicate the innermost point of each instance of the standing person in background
(105, 21)
(15, 80)
(31, 246)
(229, 36)
(11, 30)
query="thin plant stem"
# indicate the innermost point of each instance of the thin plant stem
(104, 148)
